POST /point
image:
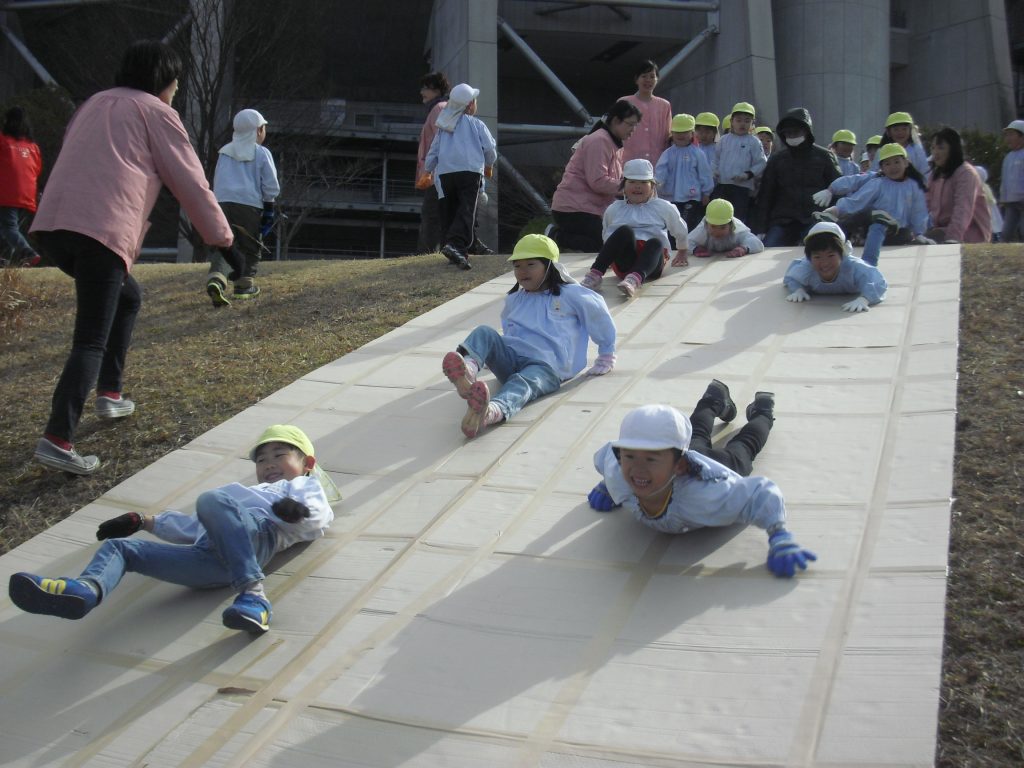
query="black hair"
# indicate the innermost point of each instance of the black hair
(436, 81)
(676, 453)
(17, 125)
(150, 66)
(950, 137)
(644, 67)
(622, 110)
(553, 280)
(912, 171)
(823, 241)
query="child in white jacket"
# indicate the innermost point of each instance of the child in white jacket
(636, 229)
(721, 232)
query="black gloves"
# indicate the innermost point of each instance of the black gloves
(290, 510)
(119, 527)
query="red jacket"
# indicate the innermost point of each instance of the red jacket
(20, 166)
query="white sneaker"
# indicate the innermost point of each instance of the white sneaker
(109, 408)
(629, 285)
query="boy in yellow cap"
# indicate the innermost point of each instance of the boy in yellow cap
(683, 174)
(722, 233)
(843, 144)
(234, 533)
(706, 128)
(739, 160)
(900, 129)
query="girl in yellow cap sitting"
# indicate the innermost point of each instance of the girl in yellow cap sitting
(721, 232)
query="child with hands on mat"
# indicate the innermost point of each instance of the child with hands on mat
(635, 233)
(235, 532)
(721, 232)
(653, 471)
(829, 266)
(546, 323)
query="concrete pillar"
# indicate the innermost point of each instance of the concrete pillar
(832, 56)
(464, 45)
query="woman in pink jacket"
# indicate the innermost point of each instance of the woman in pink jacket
(120, 147)
(591, 181)
(654, 134)
(956, 194)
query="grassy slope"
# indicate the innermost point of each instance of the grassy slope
(192, 367)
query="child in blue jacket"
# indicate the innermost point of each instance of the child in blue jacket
(683, 174)
(829, 267)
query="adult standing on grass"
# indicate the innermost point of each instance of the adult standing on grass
(956, 194)
(20, 166)
(434, 89)
(120, 147)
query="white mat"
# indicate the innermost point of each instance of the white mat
(467, 608)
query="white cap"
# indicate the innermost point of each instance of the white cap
(654, 428)
(826, 226)
(463, 93)
(248, 120)
(1016, 125)
(638, 170)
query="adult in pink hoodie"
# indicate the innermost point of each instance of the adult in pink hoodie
(120, 147)
(956, 194)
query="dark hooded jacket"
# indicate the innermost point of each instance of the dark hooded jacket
(792, 176)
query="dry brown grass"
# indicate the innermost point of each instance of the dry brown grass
(192, 367)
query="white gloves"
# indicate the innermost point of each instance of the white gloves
(602, 365)
(822, 199)
(798, 295)
(860, 304)
(922, 240)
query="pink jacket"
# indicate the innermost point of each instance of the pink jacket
(592, 177)
(957, 205)
(651, 136)
(120, 147)
(427, 136)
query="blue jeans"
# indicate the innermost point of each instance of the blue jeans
(10, 231)
(877, 236)
(108, 300)
(232, 552)
(522, 379)
(785, 235)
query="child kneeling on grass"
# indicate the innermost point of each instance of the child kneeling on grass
(829, 266)
(652, 471)
(235, 532)
(546, 323)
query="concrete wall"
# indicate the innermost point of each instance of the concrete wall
(958, 69)
(832, 57)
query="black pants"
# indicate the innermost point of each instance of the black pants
(429, 240)
(458, 207)
(692, 212)
(738, 196)
(620, 249)
(739, 453)
(108, 300)
(578, 231)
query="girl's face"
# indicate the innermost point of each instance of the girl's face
(530, 273)
(281, 461)
(894, 168)
(638, 192)
(741, 123)
(826, 264)
(900, 133)
(766, 142)
(649, 473)
(623, 129)
(682, 138)
(706, 134)
(645, 83)
(940, 153)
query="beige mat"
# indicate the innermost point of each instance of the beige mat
(467, 608)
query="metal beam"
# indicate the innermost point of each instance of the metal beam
(33, 5)
(551, 130)
(507, 169)
(665, 5)
(686, 50)
(26, 54)
(574, 104)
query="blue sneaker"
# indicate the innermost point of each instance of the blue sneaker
(249, 612)
(67, 598)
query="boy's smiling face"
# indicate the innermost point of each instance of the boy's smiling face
(281, 461)
(826, 263)
(650, 473)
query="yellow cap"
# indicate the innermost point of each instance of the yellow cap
(718, 212)
(764, 129)
(874, 141)
(709, 119)
(283, 433)
(682, 123)
(535, 247)
(727, 122)
(844, 135)
(896, 118)
(742, 106)
(891, 150)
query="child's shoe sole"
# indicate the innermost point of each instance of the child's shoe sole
(454, 367)
(216, 293)
(476, 413)
(48, 597)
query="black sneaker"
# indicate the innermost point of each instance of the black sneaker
(480, 248)
(763, 405)
(719, 392)
(246, 293)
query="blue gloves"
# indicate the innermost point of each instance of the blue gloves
(785, 555)
(600, 500)
(267, 219)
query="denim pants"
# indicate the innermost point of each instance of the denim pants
(877, 236)
(522, 379)
(10, 231)
(232, 552)
(785, 235)
(620, 250)
(741, 450)
(108, 302)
